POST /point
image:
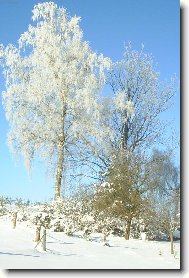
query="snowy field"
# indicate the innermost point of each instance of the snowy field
(66, 252)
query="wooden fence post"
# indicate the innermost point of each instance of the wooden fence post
(14, 218)
(171, 237)
(38, 231)
(44, 239)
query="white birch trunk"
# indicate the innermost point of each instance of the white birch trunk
(60, 157)
(59, 171)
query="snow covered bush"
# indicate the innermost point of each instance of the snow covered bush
(3, 210)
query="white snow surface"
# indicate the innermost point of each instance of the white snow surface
(73, 252)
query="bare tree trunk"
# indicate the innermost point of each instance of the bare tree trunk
(14, 218)
(44, 240)
(37, 233)
(59, 171)
(128, 228)
(171, 239)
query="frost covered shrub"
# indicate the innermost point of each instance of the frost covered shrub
(42, 219)
(5, 205)
(3, 211)
(74, 214)
(79, 215)
(135, 229)
(58, 227)
(107, 225)
(62, 216)
(22, 217)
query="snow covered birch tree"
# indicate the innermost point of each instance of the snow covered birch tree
(53, 85)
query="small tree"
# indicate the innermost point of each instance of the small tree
(165, 193)
(53, 80)
(122, 196)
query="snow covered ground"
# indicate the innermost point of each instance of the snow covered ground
(65, 252)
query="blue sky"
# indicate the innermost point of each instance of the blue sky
(107, 25)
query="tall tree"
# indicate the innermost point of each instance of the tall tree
(134, 110)
(53, 84)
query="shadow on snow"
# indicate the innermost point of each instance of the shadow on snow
(17, 254)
